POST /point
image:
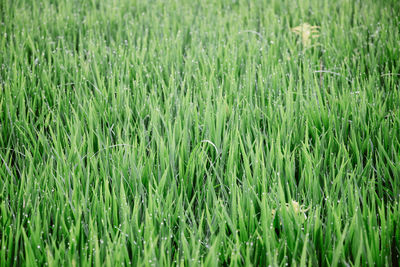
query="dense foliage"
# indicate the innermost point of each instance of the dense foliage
(199, 132)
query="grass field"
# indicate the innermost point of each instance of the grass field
(204, 132)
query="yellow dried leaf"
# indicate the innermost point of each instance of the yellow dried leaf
(306, 33)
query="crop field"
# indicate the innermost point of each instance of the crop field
(199, 133)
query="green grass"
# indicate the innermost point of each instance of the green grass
(179, 133)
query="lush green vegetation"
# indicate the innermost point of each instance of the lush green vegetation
(199, 132)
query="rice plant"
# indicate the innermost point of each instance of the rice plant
(201, 133)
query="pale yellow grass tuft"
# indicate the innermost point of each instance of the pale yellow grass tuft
(295, 207)
(306, 33)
